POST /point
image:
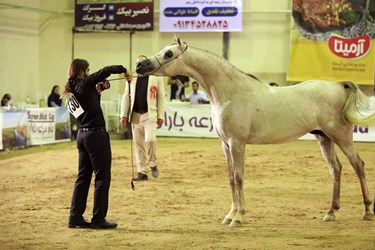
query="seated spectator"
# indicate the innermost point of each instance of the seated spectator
(5, 102)
(54, 98)
(197, 96)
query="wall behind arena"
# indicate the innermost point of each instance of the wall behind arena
(19, 48)
(36, 47)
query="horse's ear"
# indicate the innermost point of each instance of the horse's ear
(177, 39)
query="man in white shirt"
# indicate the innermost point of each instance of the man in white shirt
(145, 110)
(198, 96)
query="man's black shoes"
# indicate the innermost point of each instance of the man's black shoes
(155, 171)
(80, 224)
(144, 177)
(103, 225)
(141, 177)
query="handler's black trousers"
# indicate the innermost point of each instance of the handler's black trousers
(94, 156)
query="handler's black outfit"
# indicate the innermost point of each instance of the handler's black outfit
(94, 151)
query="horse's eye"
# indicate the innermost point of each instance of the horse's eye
(168, 54)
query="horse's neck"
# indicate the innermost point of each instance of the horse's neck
(218, 77)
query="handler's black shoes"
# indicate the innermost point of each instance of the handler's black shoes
(155, 171)
(81, 224)
(103, 225)
(141, 177)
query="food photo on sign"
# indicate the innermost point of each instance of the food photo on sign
(332, 40)
(317, 19)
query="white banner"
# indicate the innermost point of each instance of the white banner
(187, 120)
(200, 16)
(182, 119)
(41, 127)
(48, 125)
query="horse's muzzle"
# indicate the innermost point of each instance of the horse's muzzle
(144, 67)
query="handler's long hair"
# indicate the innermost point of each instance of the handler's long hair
(76, 68)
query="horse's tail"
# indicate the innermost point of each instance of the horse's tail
(359, 109)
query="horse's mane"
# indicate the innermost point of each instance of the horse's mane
(252, 76)
(227, 62)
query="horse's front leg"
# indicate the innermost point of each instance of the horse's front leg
(237, 151)
(233, 211)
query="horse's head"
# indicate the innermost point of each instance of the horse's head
(159, 64)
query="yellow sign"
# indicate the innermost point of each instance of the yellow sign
(332, 42)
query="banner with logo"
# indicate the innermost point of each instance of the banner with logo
(41, 128)
(63, 131)
(14, 129)
(48, 125)
(35, 126)
(102, 15)
(200, 16)
(332, 40)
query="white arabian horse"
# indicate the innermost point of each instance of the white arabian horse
(247, 111)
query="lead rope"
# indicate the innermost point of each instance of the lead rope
(131, 137)
(131, 145)
(131, 149)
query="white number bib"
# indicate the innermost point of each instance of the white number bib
(74, 106)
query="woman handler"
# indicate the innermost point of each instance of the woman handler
(83, 100)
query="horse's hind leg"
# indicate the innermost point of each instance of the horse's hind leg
(327, 147)
(347, 147)
(232, 213)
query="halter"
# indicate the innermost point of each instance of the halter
(161, 65)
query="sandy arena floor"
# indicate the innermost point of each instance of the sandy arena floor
(287, 192)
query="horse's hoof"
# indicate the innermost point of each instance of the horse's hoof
(367, 215)
(329, 217)
(235, 223)
(226, 221)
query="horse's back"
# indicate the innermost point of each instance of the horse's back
(318, 91)
(321, 85)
